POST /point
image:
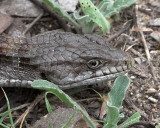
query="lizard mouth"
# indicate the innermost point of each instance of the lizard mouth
(107, 75)
(92, 80)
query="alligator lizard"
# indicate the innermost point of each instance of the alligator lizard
(66, 59)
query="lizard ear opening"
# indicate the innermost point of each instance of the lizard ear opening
(43, 76)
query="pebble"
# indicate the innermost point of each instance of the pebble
(155, 22)
(155, 35)
(138, 95)
(159, 95)
(151, 90)
(153, 99)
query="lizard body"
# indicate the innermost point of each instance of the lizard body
(66, 59)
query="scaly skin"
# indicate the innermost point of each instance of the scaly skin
(66, 59)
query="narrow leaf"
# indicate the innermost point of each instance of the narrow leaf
(118, 91)
(131, 120)
(54, 89)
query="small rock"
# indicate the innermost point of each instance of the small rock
(68, 5)
(132, 77)
(138, 95)
(5, 22)
(19, 8)
(131, 93)
(151, 90)
(146, 96)
(138, 60)
(155, 35)
(155, 22)
(158, 95)
(153, 99)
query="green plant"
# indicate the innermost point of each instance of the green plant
(93, 15)
(114, 105)
(6, 114)
(116, 95)
(54, 89)
(158, 125)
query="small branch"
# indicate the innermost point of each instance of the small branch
(125, 28)
(33, 104)
(143, 123)
(33, 23)
(145, 46)
(129, 102)
(61, 21)
(146, 49)
(143, 39)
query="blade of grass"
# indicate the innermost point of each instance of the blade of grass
(5, 114)
(4, 126)
(9, 109)
(54, 89)
(48, 106)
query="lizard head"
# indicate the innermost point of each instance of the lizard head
(76, 60)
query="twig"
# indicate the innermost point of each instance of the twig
(143, 40)
(152, 71)
(125, 28)
(148, 12)
(33, 23)
(135, 52)
(61, 21)
(146, 49)
(34, 103)
(145, 46)
(88, 99)
(143, 123)
(156, 52)
(129, 102)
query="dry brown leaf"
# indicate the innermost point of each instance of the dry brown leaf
(5, 22)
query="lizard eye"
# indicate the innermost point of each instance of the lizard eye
(93, 64)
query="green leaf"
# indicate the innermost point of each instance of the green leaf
(118, 91)
(131, 120)
(158, 125)
(88, 8)
(9, 110)
(87, 25)
(113, 116)
(48, 106)
(54, 89)
(103, 4)
(115, 7)
(94, 16)
(116, 96)
(4, 126)
(55, 6)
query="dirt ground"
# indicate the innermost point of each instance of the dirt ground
(141, 41)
